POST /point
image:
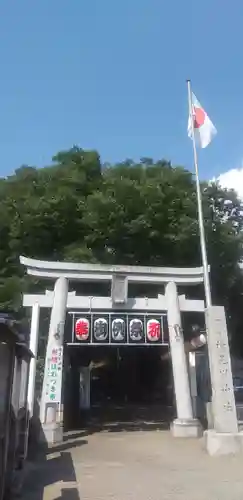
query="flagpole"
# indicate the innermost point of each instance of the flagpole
(199, 205)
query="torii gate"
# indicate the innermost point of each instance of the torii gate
(59, 300)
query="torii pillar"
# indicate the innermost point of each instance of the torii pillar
(51, 412)
(185, 425)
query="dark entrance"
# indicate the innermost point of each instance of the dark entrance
(128, 383)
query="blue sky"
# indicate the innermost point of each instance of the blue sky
(110, 75)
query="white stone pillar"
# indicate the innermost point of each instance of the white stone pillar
(51, 400)
(16, 385)
(184, 425)
(33, 345)
(193, 380)
(84, 391)
(223, 438)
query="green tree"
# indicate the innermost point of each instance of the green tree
(133, 213)
(148, 215)
(41, 214)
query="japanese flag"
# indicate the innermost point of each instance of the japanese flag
(204, 129)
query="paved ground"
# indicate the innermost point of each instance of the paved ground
(141, 465)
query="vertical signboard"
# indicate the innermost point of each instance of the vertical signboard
(54, 376)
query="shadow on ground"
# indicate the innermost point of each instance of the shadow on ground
(53, 467)
(69, 494)
(110, 418)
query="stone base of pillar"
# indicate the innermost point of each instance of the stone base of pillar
(181, 428)
(219, 443)
(51, 433)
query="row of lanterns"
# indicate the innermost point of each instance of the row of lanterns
(118, 330)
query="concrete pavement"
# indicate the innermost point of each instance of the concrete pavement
(138, 465)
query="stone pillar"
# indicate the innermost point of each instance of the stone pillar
(33, 345)
(51, 400)
(16, 385)
(184, 425)
(84, 390)
(223, 438)
(193, 380)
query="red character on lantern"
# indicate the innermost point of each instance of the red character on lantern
(82, 329)
(153, 330)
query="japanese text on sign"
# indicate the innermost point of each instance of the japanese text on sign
(53, 389)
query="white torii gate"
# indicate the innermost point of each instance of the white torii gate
(59, 300)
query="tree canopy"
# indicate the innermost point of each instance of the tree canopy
(132, 213)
